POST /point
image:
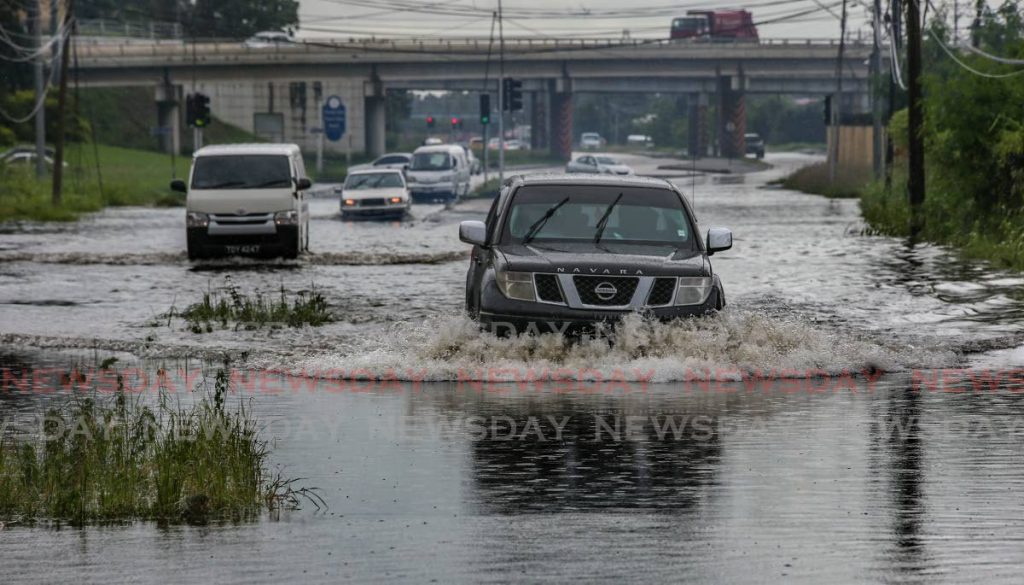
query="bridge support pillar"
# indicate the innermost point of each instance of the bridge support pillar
(375, 112)
(560, 116)
(697, 125)
(538, 121)
(732, 116)
(168, 117)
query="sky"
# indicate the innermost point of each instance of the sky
(566, 18)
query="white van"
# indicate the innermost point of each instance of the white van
(246, 199)
(438, 172)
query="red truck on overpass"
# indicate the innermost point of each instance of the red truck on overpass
(715, 25)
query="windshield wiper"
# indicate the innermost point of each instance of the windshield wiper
(603, 222)
(537, 225)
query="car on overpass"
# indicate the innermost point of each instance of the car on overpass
(598, 164)
(559, 252)
(268, 40)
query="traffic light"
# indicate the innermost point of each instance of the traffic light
(455, 123)
(197, 110)
(485, 109)
(430, 121)
(513, 95)
(202, 106)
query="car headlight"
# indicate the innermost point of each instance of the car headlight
(396, 199)
(516, 285)
(447, 177)
(286, 217)
(348, 202)
(196, 220)
(694, 290)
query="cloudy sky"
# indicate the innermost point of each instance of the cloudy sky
(566, 18)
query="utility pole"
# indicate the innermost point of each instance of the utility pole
(501, 99)
(915, 180)
(40, 82)
(62, 103)
(837, 120)
(876, 102)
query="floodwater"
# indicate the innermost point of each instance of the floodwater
(466, 458)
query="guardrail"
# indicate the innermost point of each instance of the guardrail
(117, 29)
(514, 46)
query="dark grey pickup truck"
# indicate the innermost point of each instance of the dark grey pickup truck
(558, 251)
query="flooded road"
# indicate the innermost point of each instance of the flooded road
(459, 457)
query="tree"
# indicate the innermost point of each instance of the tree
(240, 19)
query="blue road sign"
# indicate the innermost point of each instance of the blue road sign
(334, 118)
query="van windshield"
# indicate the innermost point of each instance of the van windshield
(632, 215)
(245, 171)
(431, 161)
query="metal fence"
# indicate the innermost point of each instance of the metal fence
(106, 28)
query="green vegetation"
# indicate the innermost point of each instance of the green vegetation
(488, 190)
(815, 179)
(129, 177)
(256, 311)
(118, 460)
(974, 149)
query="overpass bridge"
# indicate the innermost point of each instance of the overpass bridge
(276, 91)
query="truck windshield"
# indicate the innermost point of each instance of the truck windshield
(689, 24)
(248, 171)
(648, 216)
(373, 181)
(431, 161)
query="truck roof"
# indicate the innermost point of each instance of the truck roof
(595, 179)
(256, 148)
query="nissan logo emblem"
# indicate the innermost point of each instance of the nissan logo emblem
(605, 291)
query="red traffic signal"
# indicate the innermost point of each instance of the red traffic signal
(455, 122)
(430, 121)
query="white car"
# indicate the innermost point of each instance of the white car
(510, 144)
(591, 141)
(598, 164)
(392, 160)
(246, 199)
(268, 39)
(374, 193)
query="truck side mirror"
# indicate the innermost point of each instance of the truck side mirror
(719, 240)
(179, 186)
(303, 184)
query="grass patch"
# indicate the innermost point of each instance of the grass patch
(995, 235)
(129, 177)
(118, 460)
(231, 308)
(814, 179)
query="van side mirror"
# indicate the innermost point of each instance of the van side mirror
(473, 232)
(303, 184)
(179, 186)
(719, 240)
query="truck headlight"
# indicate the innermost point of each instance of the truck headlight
(286, 217)
(516, 285)
(444, 178)
(694, 290)
(196, 220)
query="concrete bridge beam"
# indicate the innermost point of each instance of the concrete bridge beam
(732, 116)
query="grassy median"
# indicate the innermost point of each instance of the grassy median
(94, 179)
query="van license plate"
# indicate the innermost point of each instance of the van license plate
(243, 249)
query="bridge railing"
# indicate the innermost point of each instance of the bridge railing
(90, 47)
(117, 30)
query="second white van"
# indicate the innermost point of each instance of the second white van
(440, 172)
